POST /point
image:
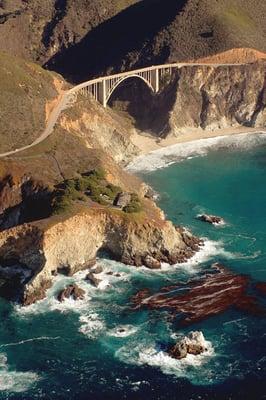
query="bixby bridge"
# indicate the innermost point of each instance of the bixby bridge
(101, 89)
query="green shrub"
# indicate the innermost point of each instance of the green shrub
(74, 189)
(134, 206)
(112, 191)
(61, 204)
(98, 174)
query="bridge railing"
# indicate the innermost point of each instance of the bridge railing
(101, 88)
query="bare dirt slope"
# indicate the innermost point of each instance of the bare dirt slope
(234, 56)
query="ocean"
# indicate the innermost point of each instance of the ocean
(100, 348)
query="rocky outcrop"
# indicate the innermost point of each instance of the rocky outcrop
(211, 219)
(194, 343)
(71, 292)
(100, 128)
(52, 246)
(90, 277)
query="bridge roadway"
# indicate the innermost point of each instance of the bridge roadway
(102, 88)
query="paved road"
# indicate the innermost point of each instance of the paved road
(65, 100)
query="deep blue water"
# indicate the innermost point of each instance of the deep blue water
(73, 350)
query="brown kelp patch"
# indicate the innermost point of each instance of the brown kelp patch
(216, 291)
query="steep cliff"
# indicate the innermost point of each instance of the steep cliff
(38, 29)
(221, 97)
(30, 255)
(206, 97)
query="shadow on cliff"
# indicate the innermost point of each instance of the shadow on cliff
(150, 112)
(111, 45)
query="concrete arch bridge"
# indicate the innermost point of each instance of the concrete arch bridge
(102, 88)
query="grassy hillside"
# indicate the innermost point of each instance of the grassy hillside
(25, 92)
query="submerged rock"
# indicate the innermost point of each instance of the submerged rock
(211, 219)
(194, 344)
(215, 292)
(71, 291)
(261, 288)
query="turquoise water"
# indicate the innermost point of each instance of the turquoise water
(76, 351)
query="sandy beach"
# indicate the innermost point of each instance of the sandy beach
(148, 143)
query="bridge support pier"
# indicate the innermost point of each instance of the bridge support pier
(102, 94)
(155, 80)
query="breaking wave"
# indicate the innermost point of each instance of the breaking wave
(172, 154)
(13, 381)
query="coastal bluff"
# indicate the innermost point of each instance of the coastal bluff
(32, 254)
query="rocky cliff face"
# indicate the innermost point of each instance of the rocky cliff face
(219, 97)
(30, 255)
(101, 128)
(206, 97)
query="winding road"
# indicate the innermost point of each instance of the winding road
(62, 104)
(90, 87)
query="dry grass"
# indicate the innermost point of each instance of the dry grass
(25, 88)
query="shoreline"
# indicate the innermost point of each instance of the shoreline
(155, 154)
(148, 143)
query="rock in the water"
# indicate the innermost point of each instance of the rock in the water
(152, 263)
(122, 199)
(92, 279)
(211, 219)
(97, 270)
(71, 291)
(194, 344)
(179, 351)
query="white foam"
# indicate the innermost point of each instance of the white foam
(143, 354)
(122, 331)
(209, 249)
(168, 155)
(41, 338)
(91, 325)
(13, 381)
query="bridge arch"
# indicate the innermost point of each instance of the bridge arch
(124, 78)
